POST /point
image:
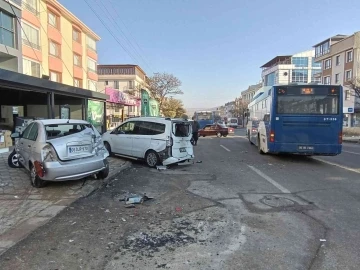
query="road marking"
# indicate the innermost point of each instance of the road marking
(225, 148)
(338, 165)
(351, 152)
(270, 180)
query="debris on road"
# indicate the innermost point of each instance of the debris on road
(136, 199)
(161, 168)
(199, 161)
(123, 219)
(71, 240)
(178, 209)
(322, 240)
(107, 211)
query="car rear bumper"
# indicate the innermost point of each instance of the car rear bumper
(72, 170)
(318, 149)
(173, 160)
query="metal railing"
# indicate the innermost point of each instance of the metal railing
(322, 53)
(32, 45)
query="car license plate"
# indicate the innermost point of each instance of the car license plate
(304, 147)
(75, 150)
(182, 150)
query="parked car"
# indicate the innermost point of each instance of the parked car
(219, 130)
(153, 139)
(231, 130)
(60, 150)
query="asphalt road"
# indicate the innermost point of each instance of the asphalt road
(236, 209)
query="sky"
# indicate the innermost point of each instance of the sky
(214, 47)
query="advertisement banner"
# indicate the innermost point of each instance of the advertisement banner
(116, 96)
(96, 113)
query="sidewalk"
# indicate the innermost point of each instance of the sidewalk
(24, 208)
(355, 139)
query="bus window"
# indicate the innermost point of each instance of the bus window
(266, 117)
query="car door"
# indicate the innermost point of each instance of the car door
(121, 139)
(214, 129)
(25, 145)
(144, 131)
(33, 148)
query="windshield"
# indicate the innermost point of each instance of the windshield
(298, 100)
(233, 121)
(204, 116)
(182, 129)
(56, 131)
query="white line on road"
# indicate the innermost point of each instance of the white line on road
(351, 152)
(337, 165)
(225, 148)
(270, 180)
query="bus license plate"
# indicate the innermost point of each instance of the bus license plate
(182, 150)
(304, 147)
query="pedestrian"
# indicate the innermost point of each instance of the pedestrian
(195, 130)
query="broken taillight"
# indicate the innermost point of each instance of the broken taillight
(39, 169)
(272, 136)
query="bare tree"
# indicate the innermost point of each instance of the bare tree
(354, 85)
(162, 85)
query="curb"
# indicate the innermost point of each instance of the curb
(357, 141)
(25, 228)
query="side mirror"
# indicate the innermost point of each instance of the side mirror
(15, 135)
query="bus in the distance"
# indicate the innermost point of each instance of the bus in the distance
(205, 118)
(303, 119)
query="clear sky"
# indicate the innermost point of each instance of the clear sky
(214, 47)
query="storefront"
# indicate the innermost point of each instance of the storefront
(22, 95)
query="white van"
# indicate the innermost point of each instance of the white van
(233, 122)
(156, 140)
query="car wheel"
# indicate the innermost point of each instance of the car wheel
(204, 136)
(108, 147)
(13, 160)
(225, 135)
(152, 158)
(259, 147)
(248, 135)
(35, 179)
(105, 172)
(218, 134)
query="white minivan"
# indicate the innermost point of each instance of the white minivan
(156, 140)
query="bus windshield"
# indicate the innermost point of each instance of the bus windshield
(204, 115)
(296, 100)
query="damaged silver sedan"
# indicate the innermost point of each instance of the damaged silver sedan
(61, 150)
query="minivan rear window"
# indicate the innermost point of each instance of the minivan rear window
(61, 130)
(181, 130)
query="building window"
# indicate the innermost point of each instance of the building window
(337, 77)
(322, 49)
(315, 64)
(31, 68)
(326, 80)
(91, 85)
(91, 64)
(54, 49)
(300, 61)
(348, 75)
(91, 43)
(327, 64)
(299, 75)
(76, 35)
(349, 56)
(30, 36)
(77, 83)
(55, 76)
(53, 20)
(7, 31)
(315, 78)
(77, 60)
(270, 79)
(338, 60)
(31, 5)
(131, 84)
(116, 84)
(347, 94)
(106, 82)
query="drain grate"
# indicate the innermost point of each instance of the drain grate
(274, 201)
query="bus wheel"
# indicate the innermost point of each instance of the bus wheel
(259, 146)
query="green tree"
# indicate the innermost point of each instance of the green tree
(173, 108)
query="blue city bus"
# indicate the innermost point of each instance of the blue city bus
(304, 119)
(204, 118)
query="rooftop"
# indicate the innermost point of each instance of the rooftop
(277, 59)
(337, 37)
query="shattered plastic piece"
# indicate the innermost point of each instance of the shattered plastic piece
(199, 161)
(123, 219)
(107, 211)
(161, 167)
(322, 240)
(71, 240)
(178, 209)
(136, 199)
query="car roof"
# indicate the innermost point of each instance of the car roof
(61, 121)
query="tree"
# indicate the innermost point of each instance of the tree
(185, 116)
(240, 108)
(354, 85)
(173, 108)
(162, 85)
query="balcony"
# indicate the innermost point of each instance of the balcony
(317, 74)
(32, 45)
(319, 54)
(28, 7)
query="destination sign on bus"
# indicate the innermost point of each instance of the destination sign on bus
(308, 91)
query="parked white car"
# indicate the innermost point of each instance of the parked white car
(59, 150)
(156, 140)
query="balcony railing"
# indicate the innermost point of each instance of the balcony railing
(29, 8)
(32, 45)
(91, 70)
(318, 54)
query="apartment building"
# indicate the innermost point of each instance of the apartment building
(10, 37)
(57, 45)
(297, 68)
(125, 84)
(248, 94)
(340, 58)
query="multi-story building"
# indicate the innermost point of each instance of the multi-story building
(55, 43)
(248, 94)
(127, 84)
(297, 68)
(340, 58)
(10, 37)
